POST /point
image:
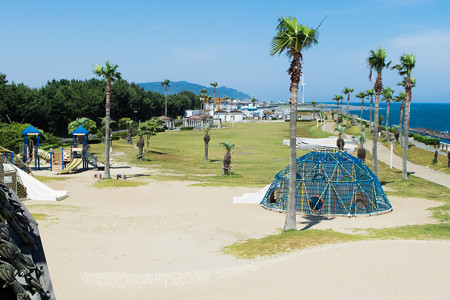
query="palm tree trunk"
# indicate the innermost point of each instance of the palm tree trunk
(362, 107)
(377, 88)
(107, 175)
(165, 101)
(401, 121)
(295, 72)
(348, 100)
(387, 137)
(370, 117)
(406, 127)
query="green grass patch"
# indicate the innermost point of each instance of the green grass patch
(40, 217)
(422, 157)
(287, 241)
(50, 178)
(106, 183)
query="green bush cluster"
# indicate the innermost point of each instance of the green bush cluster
(424, 139)
(186, 128)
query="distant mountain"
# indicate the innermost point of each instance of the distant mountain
(179, 86)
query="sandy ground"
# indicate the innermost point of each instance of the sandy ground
(163, 241)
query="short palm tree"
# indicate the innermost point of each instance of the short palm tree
(338, 98)
(387, 96)
(227, 157)
(110, 73)
(206, 139)
(253, 104)
(165, 84)
(361, 150)
(347, 91)
(292, 38)
(361, 95)
(370, 92)
(407, 63)
(340, 141)
(377, 62)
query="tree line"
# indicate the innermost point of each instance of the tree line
(53, 106)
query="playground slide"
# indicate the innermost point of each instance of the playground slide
(71, 166)
(43, 154)
(36, 190)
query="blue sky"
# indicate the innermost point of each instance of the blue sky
(227, 42)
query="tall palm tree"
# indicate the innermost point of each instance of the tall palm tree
(376, 61)
(407, 63)
(110, 73)
(203, 94)
(347, 91)
(361, 95)
(165, 84)
(291, 38)
(338, 98)
(387, 96)
(214, 85)
(253, 104)
(370, 92)
(314, 103)
(402, 97)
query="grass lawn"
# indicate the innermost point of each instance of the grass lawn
(179, 155)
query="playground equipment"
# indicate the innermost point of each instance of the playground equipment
(329, 183)
(14, 159)
(29, 148)
(10, 177)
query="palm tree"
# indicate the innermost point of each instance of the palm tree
(402, 97)
(338, 98)
(227, 157)
(214, 85)
(206, 139)
(253, 103)
(165, 84)
(361, 150)
(407, 63)
(387, 96)
(361, 95)
(291, 38)
(370, 93)
(347, 91)
(340, 141)
(203, 94)
(314, 103)
(376, 61)
(110, 73)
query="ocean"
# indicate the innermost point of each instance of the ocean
(424, 115)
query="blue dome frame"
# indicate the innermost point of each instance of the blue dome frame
(329, 183)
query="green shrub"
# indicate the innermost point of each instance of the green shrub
(274, 118)
(186, 128)
(178, 123)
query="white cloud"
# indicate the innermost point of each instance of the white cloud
(431, 48)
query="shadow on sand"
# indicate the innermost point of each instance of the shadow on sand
(310, 221)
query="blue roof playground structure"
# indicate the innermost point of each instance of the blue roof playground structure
(329, 183)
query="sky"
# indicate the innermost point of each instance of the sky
(227, 42)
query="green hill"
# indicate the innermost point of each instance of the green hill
(179, 86)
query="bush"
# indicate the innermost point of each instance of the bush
(186, 128)
(424, 139)
(118, 135)
(274, 118)
(178, 123)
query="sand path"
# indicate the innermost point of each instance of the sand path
(163, 241)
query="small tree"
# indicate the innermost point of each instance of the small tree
(150, 128)
(87, 124)
(227, 158)
(127, 123)
(361, 150)
(340, 143)
(206, 139)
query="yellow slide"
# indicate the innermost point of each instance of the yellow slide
(71, 166)
(43, 154)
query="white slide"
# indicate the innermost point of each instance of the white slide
(252, 197)
(36, 190)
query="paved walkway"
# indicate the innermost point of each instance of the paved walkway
(384, 155)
